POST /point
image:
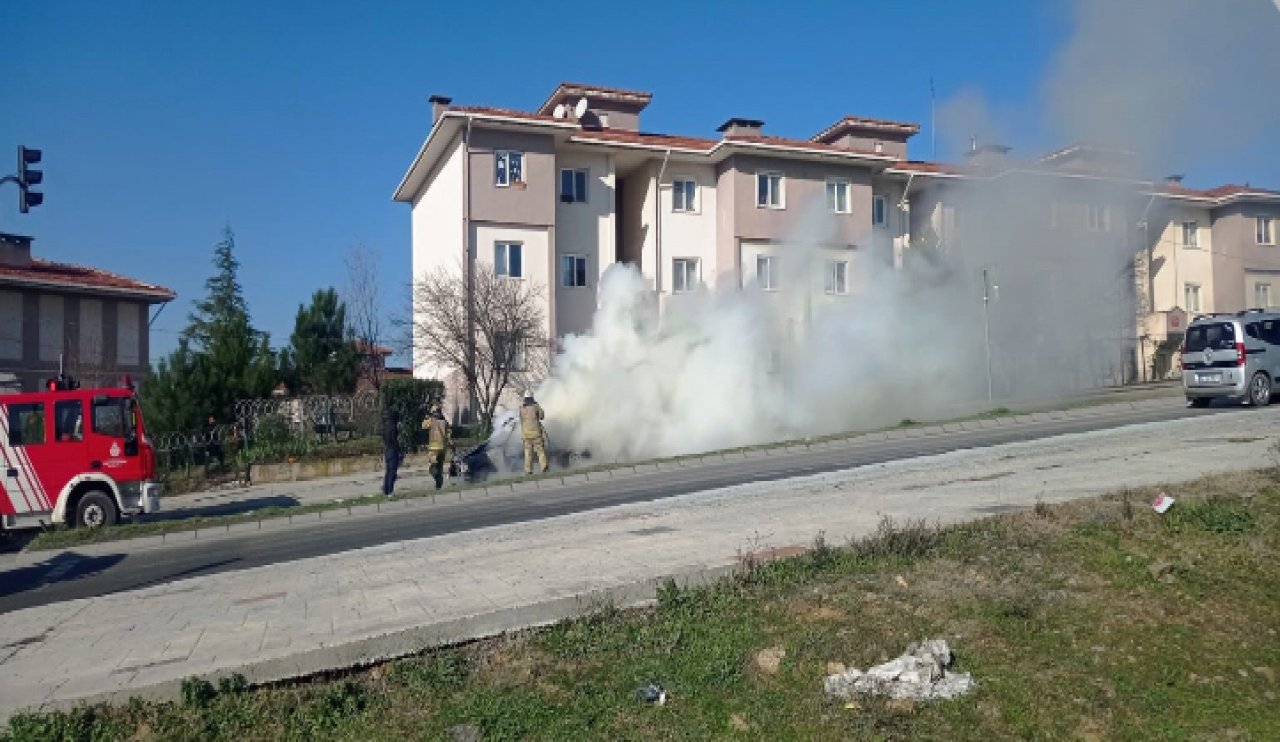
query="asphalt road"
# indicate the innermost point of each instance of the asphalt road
(67, 575)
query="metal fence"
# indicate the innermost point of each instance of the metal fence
(275, 429)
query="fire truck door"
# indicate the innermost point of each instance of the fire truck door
(66, 453)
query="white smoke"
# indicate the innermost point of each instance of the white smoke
(744, 366)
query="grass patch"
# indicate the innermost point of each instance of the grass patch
(1094, 619)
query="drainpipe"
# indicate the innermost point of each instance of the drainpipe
(468, 263)
(657, 223)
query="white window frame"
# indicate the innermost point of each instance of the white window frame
(834, 185)
(577, 260)
(1269, 238)
(771, 197)
(502, 176)
(767, 279)
(1258, 302)
(879, 211)
(1190, 290)
(836, 280)
(680, 270)
(518, 357)
(1194, 232)
(1098, 217)
(504, 271)
(688, 190)
(574, 196)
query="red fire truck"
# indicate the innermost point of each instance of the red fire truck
(75, 456)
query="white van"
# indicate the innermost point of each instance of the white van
(1232, 356)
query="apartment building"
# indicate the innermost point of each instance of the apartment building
(88, 322)
(558, 194)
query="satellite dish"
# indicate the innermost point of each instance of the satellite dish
(559, 112)
(580, 108)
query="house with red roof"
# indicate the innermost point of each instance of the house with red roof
(88, 322)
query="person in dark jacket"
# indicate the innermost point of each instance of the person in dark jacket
(391, 443)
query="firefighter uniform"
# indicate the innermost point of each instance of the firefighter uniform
(439, 441)
(531, 430)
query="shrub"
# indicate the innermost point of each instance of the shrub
(409, 397)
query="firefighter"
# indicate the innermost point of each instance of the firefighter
(535, 438)
(439, 440)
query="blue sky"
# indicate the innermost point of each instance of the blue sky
(294, 121)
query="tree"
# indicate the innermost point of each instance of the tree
(322, 357)
(220, 357)
(362, 295)
(493, 336)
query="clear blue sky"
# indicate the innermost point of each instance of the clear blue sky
(294, 121)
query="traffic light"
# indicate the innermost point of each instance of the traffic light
(28, 177)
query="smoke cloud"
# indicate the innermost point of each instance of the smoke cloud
(1034, 272)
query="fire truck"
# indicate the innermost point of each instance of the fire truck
(74, 456)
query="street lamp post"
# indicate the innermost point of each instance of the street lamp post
(986, 328)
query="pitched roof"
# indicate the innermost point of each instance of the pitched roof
(46, 273)
(805, 144)
(623, 136)
(864, 123)
(564, 90)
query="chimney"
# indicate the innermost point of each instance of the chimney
(439, 104)
(15, 250)
(736, 126)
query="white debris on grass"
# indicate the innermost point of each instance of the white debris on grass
(920, 674)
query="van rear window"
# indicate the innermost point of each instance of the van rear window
(1221, 336)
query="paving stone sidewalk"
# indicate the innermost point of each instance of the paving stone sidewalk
(296, 618)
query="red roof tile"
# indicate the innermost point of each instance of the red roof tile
(920, 166)
(508, 112)
(564, 89)
(78, 277)
(866, 123)
(653, 140)
(800, 144)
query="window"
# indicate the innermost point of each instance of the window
(1191, 292)
(508, 167)
(1263, 232)
(684, 195)
(11, 320)
(838, 195)
(573, 186)
(684, 274)
(1099, 218)
(508, 351)
(129, 323)
(26, 424)
(68, 421)
(1262, 295)
(109, 417)
(769, 193)
(837, 278)
(1270, 331)
(1190, 234)
(879, 211)
(1218, 337)
(507, 259)
(767, 272)
(573, 271)
(51, 327)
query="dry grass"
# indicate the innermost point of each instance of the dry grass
(1091, 620)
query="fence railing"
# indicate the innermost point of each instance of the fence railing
(269, 430)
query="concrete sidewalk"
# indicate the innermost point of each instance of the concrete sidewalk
(297, 618)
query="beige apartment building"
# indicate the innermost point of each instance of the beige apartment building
(558, 194)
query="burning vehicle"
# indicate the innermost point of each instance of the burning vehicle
(502, 455)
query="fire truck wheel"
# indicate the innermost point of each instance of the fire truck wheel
(95, 510)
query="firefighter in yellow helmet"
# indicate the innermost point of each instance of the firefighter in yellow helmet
(439, 440)
(535, 438)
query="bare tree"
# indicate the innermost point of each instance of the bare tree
(493, 336)
(362, 296)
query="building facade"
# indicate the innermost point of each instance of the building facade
(557, 195)
(86, 322)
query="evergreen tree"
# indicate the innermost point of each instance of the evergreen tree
(322, 356)
(220, 357)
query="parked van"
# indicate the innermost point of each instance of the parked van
(1232, 356)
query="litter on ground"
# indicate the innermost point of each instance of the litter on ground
(920, 674)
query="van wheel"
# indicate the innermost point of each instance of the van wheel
(96, 510)
(1199, 401)
(1260, 390)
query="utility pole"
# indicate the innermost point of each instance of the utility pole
(986, 328)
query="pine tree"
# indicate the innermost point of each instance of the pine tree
(220, 358)
(322, 357)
